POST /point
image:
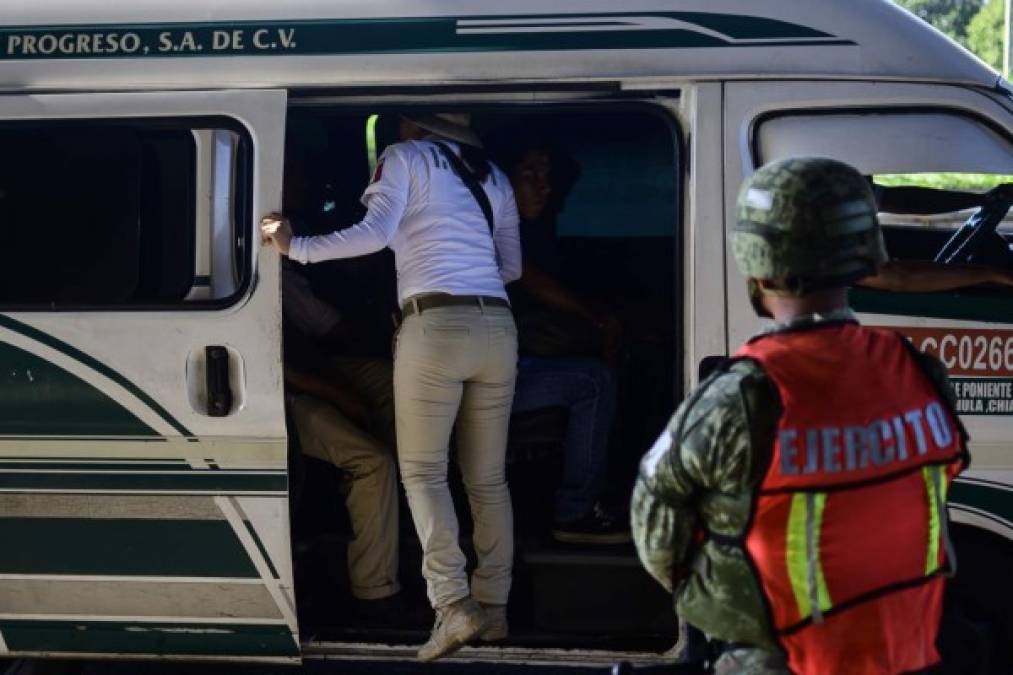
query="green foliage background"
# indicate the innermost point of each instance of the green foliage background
(984, 33)
(976, 24)
(950, 16)
(977, 182)
(979, 26)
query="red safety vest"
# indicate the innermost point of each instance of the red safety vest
(848, 535)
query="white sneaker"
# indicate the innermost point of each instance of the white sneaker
(496, 626)
(456, 624)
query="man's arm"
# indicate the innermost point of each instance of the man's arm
(545, 288)
(549, 291)
(507, 237)
(332, 390)
(936, 372)
(385, 199)
(662, 531)
(921, 276)
(717, 427)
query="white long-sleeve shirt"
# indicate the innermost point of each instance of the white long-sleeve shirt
(423, 211)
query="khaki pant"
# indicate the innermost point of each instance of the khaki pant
(458, 363)
(367, 460)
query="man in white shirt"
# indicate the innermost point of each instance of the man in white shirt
(420, 210)
(449, 216)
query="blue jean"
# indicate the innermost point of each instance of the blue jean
(586, 388)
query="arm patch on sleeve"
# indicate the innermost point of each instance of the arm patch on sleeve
(649, 464)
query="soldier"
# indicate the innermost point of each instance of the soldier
(796, 504)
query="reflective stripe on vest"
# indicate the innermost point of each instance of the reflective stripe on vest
(937, 486)
(803, 553)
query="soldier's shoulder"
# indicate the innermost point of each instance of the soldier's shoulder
(930, 363)
(936, 372)
(726, 391)
(733, 378)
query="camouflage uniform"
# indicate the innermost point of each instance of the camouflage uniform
(809, 224)
(704, 481)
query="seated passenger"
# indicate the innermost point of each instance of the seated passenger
(545, 379)
(344, 415)
(925, 276)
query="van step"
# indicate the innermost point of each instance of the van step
(584, 555)
(526, 656)
(365, 660)
(525, 638)
(593, 590)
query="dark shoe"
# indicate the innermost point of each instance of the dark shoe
(598, 527)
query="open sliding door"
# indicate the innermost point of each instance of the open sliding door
(143, 487)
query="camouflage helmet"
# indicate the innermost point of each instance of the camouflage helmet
(808, 223)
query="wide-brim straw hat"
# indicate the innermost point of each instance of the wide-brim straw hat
(452, 126)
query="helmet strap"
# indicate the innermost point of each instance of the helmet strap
(756, 294)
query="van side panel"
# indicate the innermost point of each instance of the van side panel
(52, 45)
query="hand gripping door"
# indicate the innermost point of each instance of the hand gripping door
(143, 486)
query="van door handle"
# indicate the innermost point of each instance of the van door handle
(216, 359)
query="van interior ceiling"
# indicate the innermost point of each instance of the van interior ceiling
(612, 223)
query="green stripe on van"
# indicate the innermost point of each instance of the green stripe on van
(408, 35)
(138, 465)
(121, 547)
(996, 500)
(94, 364)
(202, 481)
(40, 398)
(101, 637)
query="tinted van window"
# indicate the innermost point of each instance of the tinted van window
(99, 214)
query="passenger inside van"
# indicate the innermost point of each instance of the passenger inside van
(342, 408)
(343, 412)
(912, 275)
(556, 332)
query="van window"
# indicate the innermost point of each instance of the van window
(916, 162)
(119, 214)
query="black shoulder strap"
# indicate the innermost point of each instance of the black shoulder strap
(919, 358)
(471, 183)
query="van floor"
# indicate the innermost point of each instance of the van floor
(318, 666)
(563, 596)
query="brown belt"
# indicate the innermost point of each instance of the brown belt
(446, 300)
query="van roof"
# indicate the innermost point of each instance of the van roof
(176, 44)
